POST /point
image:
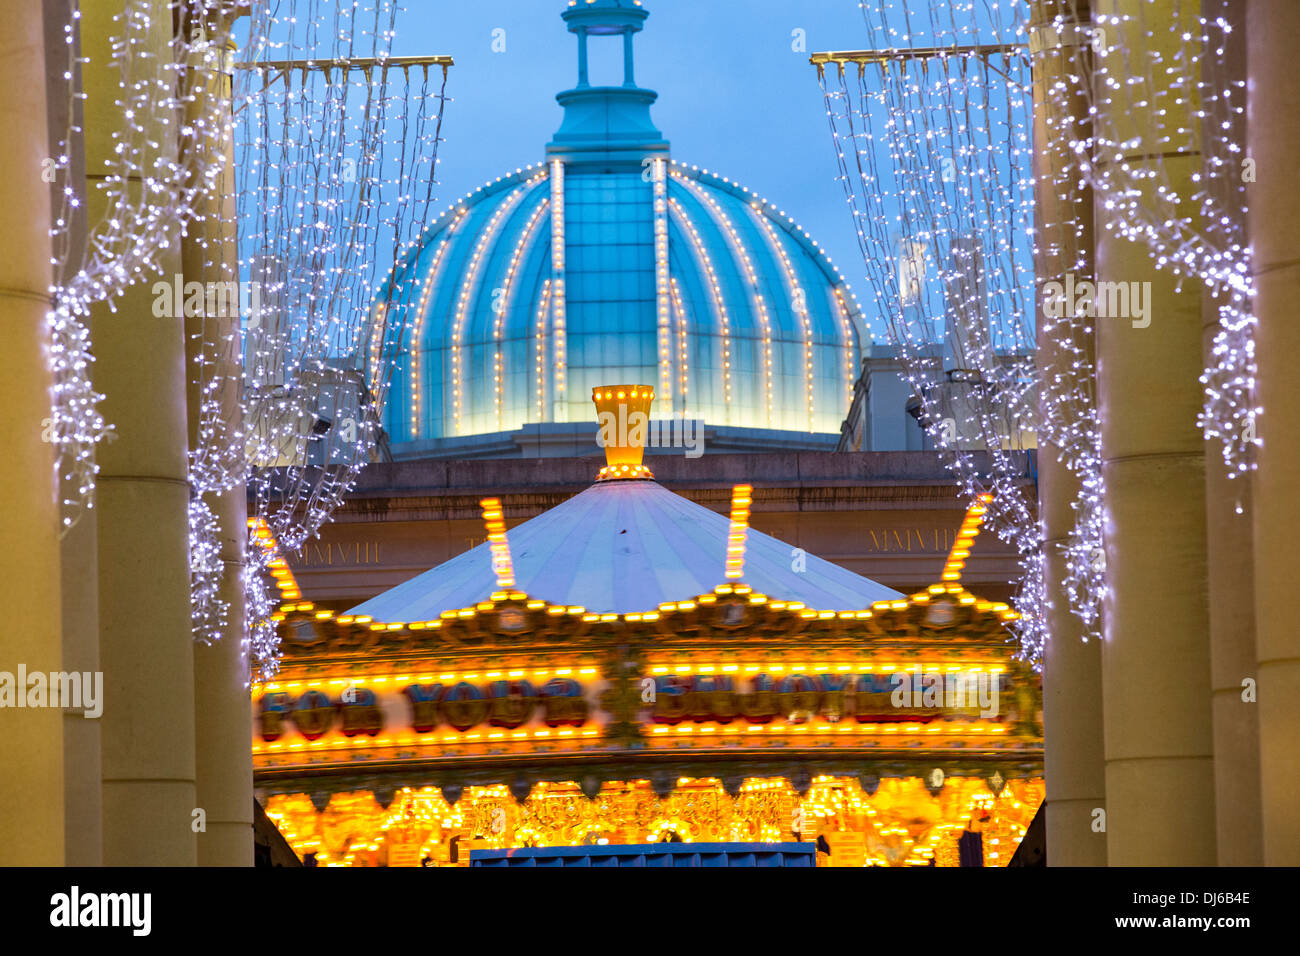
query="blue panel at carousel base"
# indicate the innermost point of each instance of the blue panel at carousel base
(653, 854)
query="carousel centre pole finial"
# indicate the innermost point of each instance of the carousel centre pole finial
(623, 412)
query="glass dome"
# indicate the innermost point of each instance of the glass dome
(610, 261)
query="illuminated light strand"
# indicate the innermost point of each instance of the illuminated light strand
(378, 325)
(525, 242)
(1155, 84)
(683, 342)
(1204, 118)
(1068, 419)
(799, 302)
(719, 303)
(846, 328)
(934, 592)
(559, 332)
(543, 310)
(153, 179)
(937, 146)
(421, 312)
(499, 545)
(741, 499)
(209, 611)
(322, 184)
(965, 539)
(662, 285)
(326, 749)
(741, 253)
(809, 245)
(265, 556)
(472, 275)
(227, 446)
(263, 538)
(325, 683)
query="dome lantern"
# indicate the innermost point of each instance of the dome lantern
(606, 124)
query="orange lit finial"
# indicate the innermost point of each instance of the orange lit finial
(623, 412)
(741, 499)
(494, 521)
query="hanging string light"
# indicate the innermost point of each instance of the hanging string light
(335, 144)
(1168, 85)
(147, 188)
(932, 133)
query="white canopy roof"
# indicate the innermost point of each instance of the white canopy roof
(623, 547)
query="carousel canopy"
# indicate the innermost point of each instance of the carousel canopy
(624, 547)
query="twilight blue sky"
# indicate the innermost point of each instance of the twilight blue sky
(734, 97)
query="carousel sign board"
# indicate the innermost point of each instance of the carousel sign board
(522, 708)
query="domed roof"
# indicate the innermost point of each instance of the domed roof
(624, 547)
(611, 261)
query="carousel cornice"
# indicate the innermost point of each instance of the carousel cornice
(513, 620)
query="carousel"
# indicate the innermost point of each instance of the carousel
(631, 667)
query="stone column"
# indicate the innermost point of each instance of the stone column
(1156, 659)
(223, 718)
(78, 545)
(1273, 130)
(31, 738)
(147, 732)
(1232, 655)
(1074, 759)
(1230, 546)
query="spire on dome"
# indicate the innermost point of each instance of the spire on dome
(606, 123)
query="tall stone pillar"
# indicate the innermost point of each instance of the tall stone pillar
(82, 782)
(147, 732)
(223, 720)
(31, 738)
(1230, 546)
(1232, 655)
(1156, 659)
(1273, 138)
(1074, 759)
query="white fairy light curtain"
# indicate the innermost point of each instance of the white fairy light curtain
(1068, 424)
(1169, 84)
(147, 190)
(334, 164)
(932, 132)
(334, 161)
